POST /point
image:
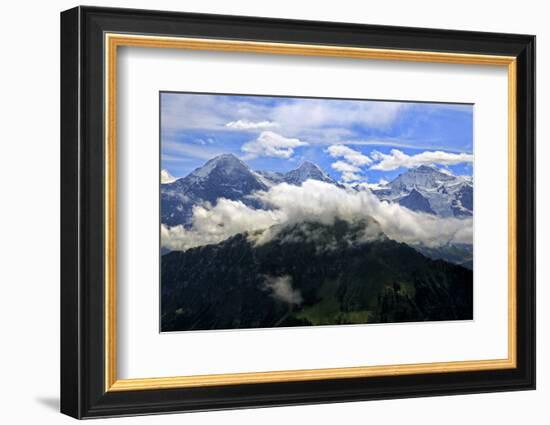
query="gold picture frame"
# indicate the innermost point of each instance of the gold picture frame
(91, 40)
(114, 41)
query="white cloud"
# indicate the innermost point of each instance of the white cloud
(271, 144)
(352, 156)
(321, 113)
(372, 186)
(349, 172)
(350, 177)
(319, 121)
(282, 290)
(313, 201)
(181, 150)
(350, 168)
(250, 125)
(345, 167)
(206, 141)
(397, 159)
(213, 224)
(180, 111)
(407, 143)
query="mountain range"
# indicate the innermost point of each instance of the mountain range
(431, 190)
(309, 274)
(225, 176)
(312, 273)
(425, 189)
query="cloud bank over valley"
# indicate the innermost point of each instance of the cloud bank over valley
(314, 201)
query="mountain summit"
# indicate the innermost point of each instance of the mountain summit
(166, 177)
(226, 176)
(306, 171)
(226, 164)
(432, 190)
(425, 177)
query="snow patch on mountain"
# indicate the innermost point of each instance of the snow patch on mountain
(228, 177)
(446, 194)
(308, 170)
(166, 177)
(227, 164)
(425, 189)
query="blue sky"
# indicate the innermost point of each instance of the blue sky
(352, 140)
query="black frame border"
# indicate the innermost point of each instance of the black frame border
(82, 205)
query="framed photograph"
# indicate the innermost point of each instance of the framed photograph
(261, 212)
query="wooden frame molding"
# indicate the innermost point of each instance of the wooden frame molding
(114, 40)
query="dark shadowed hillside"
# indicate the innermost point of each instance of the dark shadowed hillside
(310, 274)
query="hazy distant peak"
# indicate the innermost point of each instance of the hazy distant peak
(309, 165)
(307, 170)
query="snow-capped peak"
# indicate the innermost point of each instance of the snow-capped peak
(307, 170)
(428, 188)
(425, 176)
(308, 165)
(166, 177)
(227, 163)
